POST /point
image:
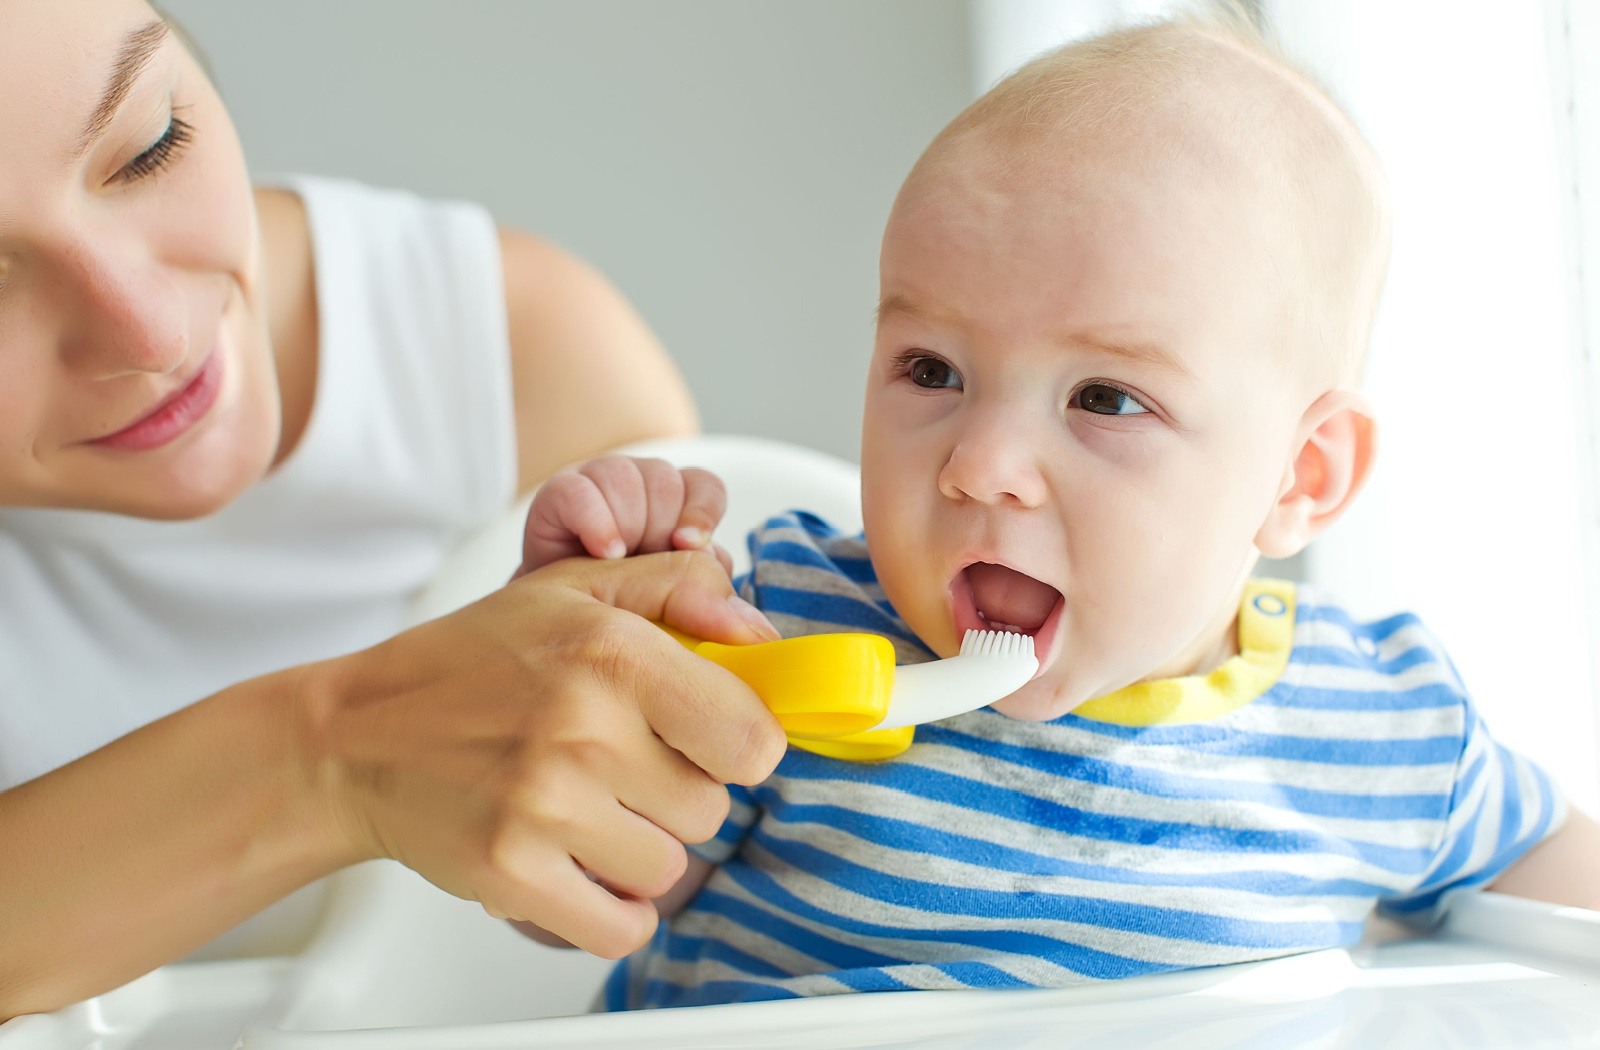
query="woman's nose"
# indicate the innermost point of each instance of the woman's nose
(127, 315)
(996, 464)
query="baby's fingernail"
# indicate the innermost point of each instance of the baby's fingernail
(616, 549)
(752, 616)
(691, 537)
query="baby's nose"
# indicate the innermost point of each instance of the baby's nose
(995, 470)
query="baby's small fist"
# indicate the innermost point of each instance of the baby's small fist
(619, 505)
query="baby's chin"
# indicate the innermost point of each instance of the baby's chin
(1041, 700)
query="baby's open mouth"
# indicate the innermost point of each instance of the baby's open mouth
(989, 597)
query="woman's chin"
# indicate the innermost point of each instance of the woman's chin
(205, 472)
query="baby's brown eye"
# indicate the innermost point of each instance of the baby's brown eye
(933, 373)
(1107, 400)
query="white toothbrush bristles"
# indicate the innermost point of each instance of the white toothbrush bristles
(992, 665)
(996, 643)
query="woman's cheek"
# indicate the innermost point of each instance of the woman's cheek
(207, 218)
(26, 392)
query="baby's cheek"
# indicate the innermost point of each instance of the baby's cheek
(921, 602)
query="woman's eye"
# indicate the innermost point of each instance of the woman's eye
(161, 153)
(1107, 400)
(934, 374)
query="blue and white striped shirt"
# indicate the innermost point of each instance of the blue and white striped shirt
(1164, 827)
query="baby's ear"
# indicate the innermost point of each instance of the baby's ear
(1337, 440)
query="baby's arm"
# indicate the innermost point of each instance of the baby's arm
(667, 905)
(615, 506)
(1564, 869)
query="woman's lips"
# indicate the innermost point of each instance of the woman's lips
(964, 610)
(174, 415)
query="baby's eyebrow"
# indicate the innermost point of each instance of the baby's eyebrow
(897, 303)
(1153, 354)
(136, 51)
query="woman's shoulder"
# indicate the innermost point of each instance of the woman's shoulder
(291, 306)
(395, 305)
(388, 240)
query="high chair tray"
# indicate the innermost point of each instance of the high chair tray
(406, 968)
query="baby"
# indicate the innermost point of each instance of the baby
(1125, 298)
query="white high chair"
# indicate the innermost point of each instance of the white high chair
(395, 964)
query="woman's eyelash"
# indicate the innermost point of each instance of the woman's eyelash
(161, 153)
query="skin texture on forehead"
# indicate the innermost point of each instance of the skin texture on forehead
(1213, 109)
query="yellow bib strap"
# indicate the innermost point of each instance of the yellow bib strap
(1266, 637)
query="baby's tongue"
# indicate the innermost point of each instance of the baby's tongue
(1006, 596)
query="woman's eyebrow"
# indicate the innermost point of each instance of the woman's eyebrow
(136, 51)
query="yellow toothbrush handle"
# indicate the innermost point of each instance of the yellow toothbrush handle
(874, 745)
(827, 690)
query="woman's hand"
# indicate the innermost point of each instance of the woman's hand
(502, 751)
(549, 733)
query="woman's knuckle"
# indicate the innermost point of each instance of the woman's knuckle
(550, 813)
(709, 810)
(608, 649)
(614, 942)
(666, 870)
(542, 799)
(592, 753)
(759, 753)
(505, 853)
(698, 569)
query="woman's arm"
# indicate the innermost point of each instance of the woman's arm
(145, 849)
(502, 752)
(587, 374)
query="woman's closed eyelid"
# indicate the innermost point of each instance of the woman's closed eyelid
(160, 153)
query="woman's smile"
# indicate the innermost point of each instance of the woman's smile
(174, 414)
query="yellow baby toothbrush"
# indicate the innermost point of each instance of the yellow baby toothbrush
(841, 695)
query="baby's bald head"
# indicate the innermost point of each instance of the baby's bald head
(1205, 103)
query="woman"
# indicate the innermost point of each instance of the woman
(237, 429)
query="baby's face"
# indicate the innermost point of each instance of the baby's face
(1078, 415)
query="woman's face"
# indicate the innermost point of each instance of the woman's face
(136, 373)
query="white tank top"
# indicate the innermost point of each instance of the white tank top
(108, 623)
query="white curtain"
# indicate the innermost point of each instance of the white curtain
(1476, 516)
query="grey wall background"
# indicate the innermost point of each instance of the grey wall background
(728, 163)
